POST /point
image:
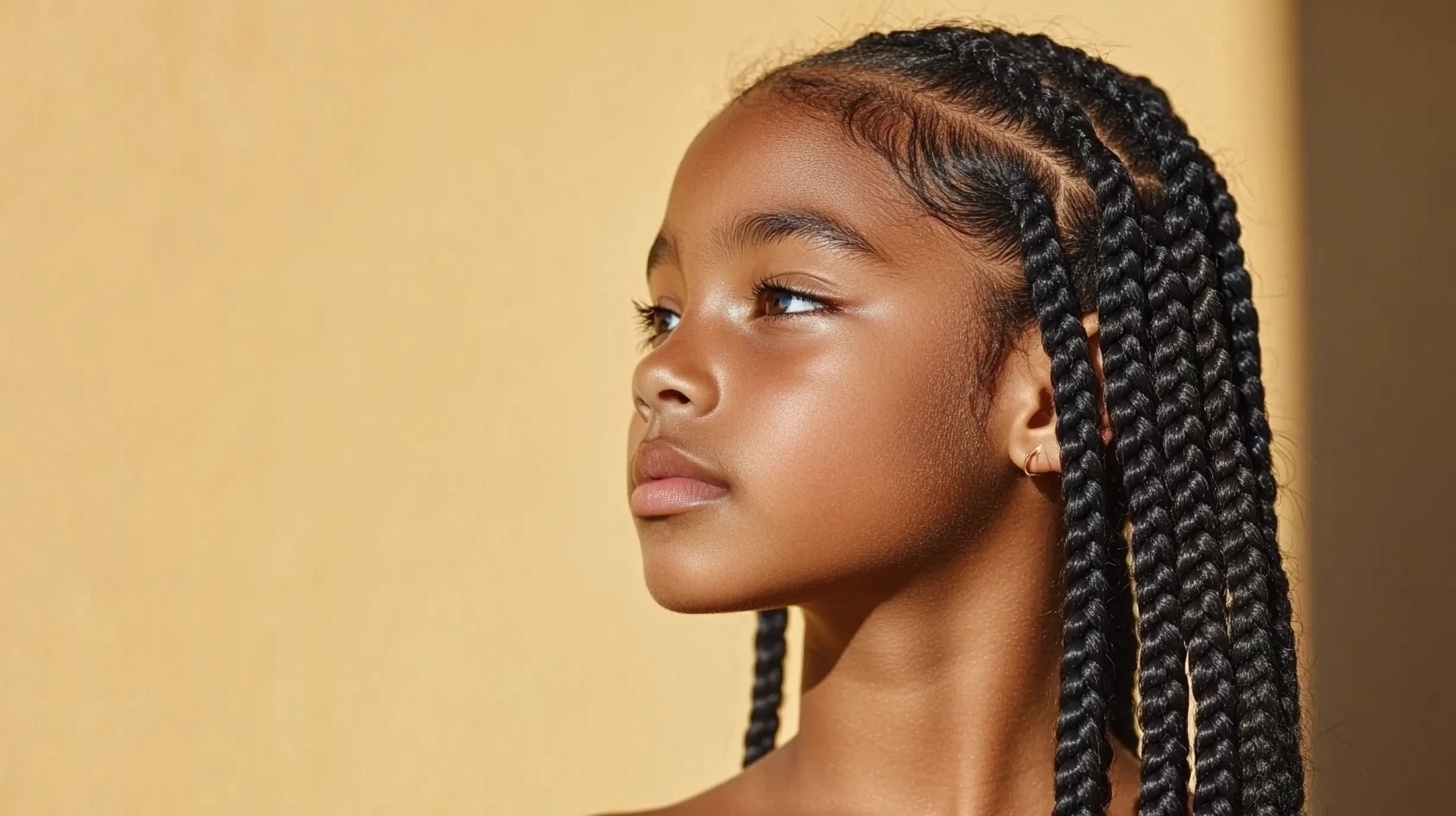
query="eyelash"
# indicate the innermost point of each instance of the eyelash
(648, 315)
(647, 322)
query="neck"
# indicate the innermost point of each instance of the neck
(939, 696)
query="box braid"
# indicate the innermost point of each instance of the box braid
(1259, 610)
(1236, 290)
(907, 95)
(1083, 752)
(1185, 333)
(1266, 560)
(768, 684)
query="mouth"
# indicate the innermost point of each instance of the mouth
(666, 480)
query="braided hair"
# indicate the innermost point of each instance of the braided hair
(1198, 217)
(1086, 177)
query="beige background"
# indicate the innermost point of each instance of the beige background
(315, 334)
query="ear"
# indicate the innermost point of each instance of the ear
(1028, 399)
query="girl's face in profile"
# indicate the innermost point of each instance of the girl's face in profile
(814, 344)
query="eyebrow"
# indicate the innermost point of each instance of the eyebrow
(762, 228)
(663, 252)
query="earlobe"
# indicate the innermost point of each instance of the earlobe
(1030, 457)
(1044, 458)
(1031, 462)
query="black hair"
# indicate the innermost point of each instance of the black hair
(1086, 177)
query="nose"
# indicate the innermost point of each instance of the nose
(674, 379)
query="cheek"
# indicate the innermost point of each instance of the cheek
(860, 459)
(865, 457)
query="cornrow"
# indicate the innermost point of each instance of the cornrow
(1263, 643)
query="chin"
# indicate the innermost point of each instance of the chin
(691, 587)
(697, 580)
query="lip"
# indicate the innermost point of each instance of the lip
(667, 480)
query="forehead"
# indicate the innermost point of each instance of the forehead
(765, 154)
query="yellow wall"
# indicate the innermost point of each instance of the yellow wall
(316, 336)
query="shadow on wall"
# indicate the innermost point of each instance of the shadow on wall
(1379, 180)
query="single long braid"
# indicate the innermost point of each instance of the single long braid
(1081, 774)
(768, 684)
(1236, 289)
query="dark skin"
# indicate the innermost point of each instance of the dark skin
(870, 476)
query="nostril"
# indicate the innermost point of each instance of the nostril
(673, 395)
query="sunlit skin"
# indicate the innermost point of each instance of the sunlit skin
(868, 476)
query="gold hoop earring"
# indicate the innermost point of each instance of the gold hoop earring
(1026, 463)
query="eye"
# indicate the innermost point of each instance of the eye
(655, 321)
(779, 301)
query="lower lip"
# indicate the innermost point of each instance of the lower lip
(663, 497)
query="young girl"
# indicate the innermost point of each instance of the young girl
(952, 347)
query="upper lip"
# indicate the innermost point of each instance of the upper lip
(660, 458)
